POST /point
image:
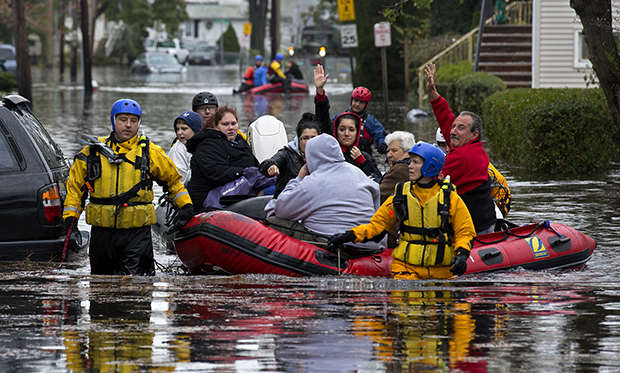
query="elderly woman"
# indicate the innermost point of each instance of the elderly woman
(220, 155)
(399, 143)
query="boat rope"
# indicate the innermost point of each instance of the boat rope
(508, 233)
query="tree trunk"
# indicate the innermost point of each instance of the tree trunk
(24, 77)
(74, 43)
(596, 19)
(61, 37)
(87, 64)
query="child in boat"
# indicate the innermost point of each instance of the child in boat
(185, 126)
(436, 231)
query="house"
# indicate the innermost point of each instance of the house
(559, 52)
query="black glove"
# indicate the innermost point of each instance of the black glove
(72, 233)
(340, 238)
(183, 216)
(382, 148)
(459, 262)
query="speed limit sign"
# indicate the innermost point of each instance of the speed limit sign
(348, 36)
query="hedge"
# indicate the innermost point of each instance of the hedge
(7, 81)
(551, 130)
(469, 91)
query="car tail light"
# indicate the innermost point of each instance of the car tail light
(51, 204)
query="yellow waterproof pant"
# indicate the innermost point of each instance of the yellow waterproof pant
(404, 271)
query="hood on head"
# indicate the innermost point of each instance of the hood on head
(193, 120)
(322, 150)
(358, 125)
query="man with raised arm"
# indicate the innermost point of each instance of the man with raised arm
(467, 162)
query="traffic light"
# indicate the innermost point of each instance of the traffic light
(291, 51)
(322, 52)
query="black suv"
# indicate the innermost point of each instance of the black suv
(33, 172)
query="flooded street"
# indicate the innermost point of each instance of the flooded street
(65, 320)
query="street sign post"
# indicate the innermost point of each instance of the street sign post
(348, 36)
(383, 39)
(382, 34)
(346, 10)
(348, 39)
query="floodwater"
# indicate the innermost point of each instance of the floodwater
(65, 320)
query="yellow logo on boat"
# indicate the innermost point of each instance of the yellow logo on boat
(538, 247)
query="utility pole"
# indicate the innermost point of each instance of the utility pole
(274, 29)
(87, 63)
(24, 77)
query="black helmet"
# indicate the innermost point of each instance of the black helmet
(204, 98)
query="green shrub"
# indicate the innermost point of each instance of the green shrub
(551, 130)
(449, 72)
(470, 91)
(7, 82)
(231, 44)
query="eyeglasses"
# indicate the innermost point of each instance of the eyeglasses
(207, 107)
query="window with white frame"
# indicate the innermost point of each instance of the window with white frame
(581, 53)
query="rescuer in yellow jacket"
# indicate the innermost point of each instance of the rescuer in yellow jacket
(118, 173)
(436, 229)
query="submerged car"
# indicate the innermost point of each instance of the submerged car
(33, 173)
(8, 63)
(203, 54)
(157, 63)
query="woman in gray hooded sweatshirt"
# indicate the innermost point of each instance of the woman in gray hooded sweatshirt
(329, 195)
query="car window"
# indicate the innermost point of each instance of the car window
(165, 44)
(50, 150)
(6, 54)
(163, 59)
(6, 159)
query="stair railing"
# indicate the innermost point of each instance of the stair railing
(517, 13)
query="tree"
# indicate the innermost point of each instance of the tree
(596, 18)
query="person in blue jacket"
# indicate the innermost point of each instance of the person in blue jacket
(260, 76)
(372, 130)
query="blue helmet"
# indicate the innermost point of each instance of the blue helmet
(433, 156)
(127, 106)
(279, 56)
(258, 58)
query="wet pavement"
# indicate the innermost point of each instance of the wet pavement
(63, 319)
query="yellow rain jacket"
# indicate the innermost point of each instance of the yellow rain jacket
(411, 256)
(109, 206)
(499, 190)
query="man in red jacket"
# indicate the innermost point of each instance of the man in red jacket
(467, 162)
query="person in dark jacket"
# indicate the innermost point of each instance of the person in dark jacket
(293, 71)
(345, 128)
(287, 162)
(219, 155)
(372, 131)
(399, 144)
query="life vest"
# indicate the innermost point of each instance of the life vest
(499, 191)
(426, 236)
(121, 194)
(249, 75)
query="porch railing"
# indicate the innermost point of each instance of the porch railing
(464, 49)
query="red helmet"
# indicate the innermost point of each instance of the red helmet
(361, 94)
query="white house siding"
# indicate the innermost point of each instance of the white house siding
(553, 54)
(217, 15)
(555, 45)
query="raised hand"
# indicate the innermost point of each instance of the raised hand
(430, 81)
(320, 79)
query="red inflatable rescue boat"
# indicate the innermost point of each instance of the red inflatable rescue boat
(296, 87)
(228, 242)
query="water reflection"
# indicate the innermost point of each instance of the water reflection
(59, 320)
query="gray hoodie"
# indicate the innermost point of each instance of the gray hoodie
(335, 197)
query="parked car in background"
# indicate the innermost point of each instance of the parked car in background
(33, 173)
(8, 62)
(203, 54)
(156, 63)
(172, 47)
